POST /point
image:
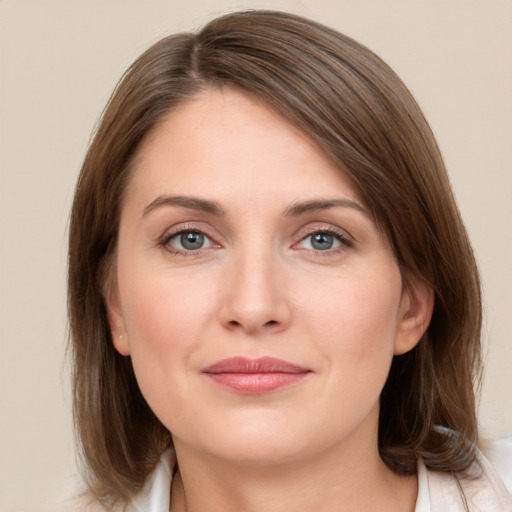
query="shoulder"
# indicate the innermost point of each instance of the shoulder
(77, 504)
(499, 454)
(482, 491)
(154, 496)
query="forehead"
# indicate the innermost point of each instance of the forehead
(224, 143)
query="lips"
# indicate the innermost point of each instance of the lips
(255, 376)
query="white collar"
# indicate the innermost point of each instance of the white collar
(154, 496)
(423, 499)
(437, 491)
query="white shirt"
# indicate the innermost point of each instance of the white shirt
(437, 491)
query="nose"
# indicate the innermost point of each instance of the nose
(255, 299)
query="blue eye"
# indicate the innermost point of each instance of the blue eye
(189, 241)
(323, 241)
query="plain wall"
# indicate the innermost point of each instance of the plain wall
(59, 61)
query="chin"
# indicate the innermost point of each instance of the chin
(260, 453)
(259, 444)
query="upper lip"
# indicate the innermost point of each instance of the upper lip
(259, 365)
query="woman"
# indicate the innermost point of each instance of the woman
(273, 301)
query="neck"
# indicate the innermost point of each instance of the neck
(324, 483)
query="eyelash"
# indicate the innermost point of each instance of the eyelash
(342, 238)
(168, 236)
(345, 241)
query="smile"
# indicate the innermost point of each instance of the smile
(255, 376)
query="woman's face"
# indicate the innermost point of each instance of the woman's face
(259, 303)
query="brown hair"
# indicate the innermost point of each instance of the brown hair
(355, 107)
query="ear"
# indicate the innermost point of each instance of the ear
(416, 307)
(116, 318)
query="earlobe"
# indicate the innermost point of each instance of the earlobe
(116, 320)
(416, 309)
(121, 344)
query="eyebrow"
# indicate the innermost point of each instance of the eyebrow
(191, 203)
(213, 208)
(314, 205)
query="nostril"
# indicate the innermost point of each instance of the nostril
(237, 324)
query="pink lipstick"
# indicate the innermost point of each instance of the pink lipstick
(254, 376)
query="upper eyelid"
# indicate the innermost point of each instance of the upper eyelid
(299, 234)
(322, 227)
(184, 227)
(341, 238)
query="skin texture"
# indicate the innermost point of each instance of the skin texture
(259, 287)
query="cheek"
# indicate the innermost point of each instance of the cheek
(164, 320)
(354, 322)
(155, 317)
(162, 308)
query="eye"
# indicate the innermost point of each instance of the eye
(189, 241)
(320, 242)
(324, 240)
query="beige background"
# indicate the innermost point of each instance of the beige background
(59, 61)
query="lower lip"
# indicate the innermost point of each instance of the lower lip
(256, 383)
